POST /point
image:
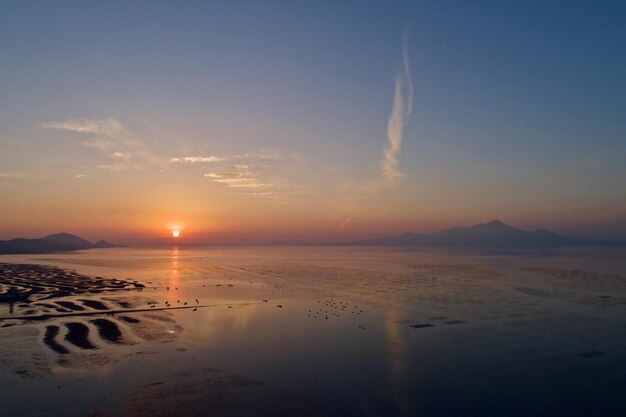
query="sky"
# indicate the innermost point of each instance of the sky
(247, 121)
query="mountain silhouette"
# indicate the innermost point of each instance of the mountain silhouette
(59, 242)
(492, 234)
(103, 244)
(69, 240)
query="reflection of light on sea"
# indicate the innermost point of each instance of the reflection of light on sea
(173, 278)
(397, 353)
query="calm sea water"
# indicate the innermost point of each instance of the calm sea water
(348, 331)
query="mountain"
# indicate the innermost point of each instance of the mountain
(59, 242)
(102, 244)
(21, 245)
(69, 240)
(492, 234)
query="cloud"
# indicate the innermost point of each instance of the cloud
(268, 170)
(260, 155)
(80, 176)
(103, 127)
(262, 172)
(112, 137)
(245, 179)
(198, 159)
(110, 167)
(400, 111)
(103, 145)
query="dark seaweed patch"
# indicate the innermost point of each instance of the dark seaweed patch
(78, 335)
(70, 305)
(49, 340)
(108, 330)
(96, 305)
(129, 319)
(420, 326)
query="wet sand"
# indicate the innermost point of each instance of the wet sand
(39, 282)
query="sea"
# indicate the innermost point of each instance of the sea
(322, 331)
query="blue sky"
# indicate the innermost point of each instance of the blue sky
(517, 108)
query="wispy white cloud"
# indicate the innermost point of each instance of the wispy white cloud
(112, 137)
(110, 167)
(103, 127)
(400, 111)
(80, 176)
(198, 159)
(101, 144)
(263, 172)
(260, 155)
(265, 169)
(244, 179)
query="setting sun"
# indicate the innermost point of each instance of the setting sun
(175, 233)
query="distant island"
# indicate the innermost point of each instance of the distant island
(59, 242)
(491, 234)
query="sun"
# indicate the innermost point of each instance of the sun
(176, 233)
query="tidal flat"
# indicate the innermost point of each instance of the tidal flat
(314, 331)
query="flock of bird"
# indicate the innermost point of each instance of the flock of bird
(338, 306)
(325, 311)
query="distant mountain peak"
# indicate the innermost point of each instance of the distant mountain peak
(494, 224)
(62, 234)
(103, 244)
(491, 234)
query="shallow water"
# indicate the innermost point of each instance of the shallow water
(339, 331)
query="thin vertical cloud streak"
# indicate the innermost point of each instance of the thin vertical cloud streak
(400, 112)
